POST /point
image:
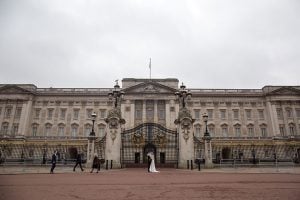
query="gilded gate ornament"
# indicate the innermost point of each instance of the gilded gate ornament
(138, 139)
(161, 139)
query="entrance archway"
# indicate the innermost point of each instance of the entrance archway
(226, 153)
(73, 152)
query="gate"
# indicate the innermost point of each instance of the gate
(149, 137)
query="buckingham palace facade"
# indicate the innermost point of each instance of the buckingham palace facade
(244, 124)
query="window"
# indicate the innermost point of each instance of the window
(161, 107)
(292, 129)
(138, 110)
(4, 128)
(223, 114)
(63, 113)
(8, 112)
(279, 113)
(297, 113)
(263, 130)
(50, 113)
(197, 114)
(74, 130)
(102, 113)
(250, 130)
(101, 130)
(211, 130)
(236, 114)
(87, 130)
(18, 112)
(34, 129)
(0, 110)
(172, 109)
(89, 113)
(75, 114)
(61, 130)
(248, 114)
(48, 129)
(281, 130)
(224, 130)
(210, 114)
(289, 113)
(261, 114)
(198, 131)
(37, 112)
(149, 109)
(237, 130)
(15, 129)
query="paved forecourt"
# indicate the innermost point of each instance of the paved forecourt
(139, 184)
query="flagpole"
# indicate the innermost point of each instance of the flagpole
(150, 68)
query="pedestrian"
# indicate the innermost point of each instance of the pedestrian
(96, 164)
(78, 162)
(53, 162)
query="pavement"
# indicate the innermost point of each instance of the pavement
(69, 169)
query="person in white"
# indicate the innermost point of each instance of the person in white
(152, 164)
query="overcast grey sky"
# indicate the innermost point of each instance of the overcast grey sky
(205, 44)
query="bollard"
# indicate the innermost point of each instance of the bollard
(111, 164)
(188, 164)
(192, 165)
(106, 164)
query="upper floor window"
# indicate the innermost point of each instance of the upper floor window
(18, 112)
(224, 130)
(48, 129)
(261, 114)
(248, 114)
(223, 114)
(289, 113)
(101, 130)
(210, 114)
(88, 129)
(197, 114)
(211, 130)
(61, 129)
(250, 130)
(89, 113)
(292, 129)
(138, 110)
(0, 110)
(15, 129)
(75, 114)
(8, 112)
(50, 113)
(282, 130)
(37, 112)
(102, 113)
(297, 113)
(197, 130)
(161, 108)
(237, 130)
(236, 114)
(74, 130)
(279, 113)
(263, 130)
(63, 113)
(34, 129)
(4, 128)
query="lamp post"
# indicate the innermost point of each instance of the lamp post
(91, 142)
(207, 144)
(116, 94)
(182, 94)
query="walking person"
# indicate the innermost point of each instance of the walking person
(96, 164)
(78, 162)
(53, 162)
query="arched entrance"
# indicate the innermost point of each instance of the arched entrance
(137, 142)
(149, 148)
(226, 153)
(73, 152)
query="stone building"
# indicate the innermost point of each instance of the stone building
(243, 123)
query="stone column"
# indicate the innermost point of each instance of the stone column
(186, 140)
(90, 151)
(113, 137)
(25, 118)
(208, 153)
(274, 129)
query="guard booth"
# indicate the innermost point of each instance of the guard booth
(149, 137)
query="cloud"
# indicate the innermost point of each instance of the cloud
(205, 44)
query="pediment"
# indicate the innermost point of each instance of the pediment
(13, 89)
(149, 88)
(285, 91)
